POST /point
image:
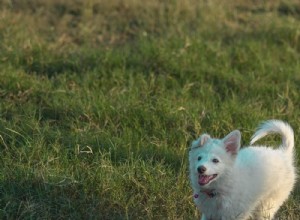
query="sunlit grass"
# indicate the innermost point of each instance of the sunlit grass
(101, 99)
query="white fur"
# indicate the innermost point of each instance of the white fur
(251, 182)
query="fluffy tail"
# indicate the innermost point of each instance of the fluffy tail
(280, 127)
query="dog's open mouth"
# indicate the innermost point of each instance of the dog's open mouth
(205, 179)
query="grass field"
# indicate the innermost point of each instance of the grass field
(100, 99)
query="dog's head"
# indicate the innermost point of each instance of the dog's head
(210, 158)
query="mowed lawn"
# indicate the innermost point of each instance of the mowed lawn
(100, 99)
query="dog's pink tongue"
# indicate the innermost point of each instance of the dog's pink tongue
(203, 179)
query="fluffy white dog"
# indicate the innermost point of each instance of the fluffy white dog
(231, 184)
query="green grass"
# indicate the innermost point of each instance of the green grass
(99, 100)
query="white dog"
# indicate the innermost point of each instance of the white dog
(231, 184)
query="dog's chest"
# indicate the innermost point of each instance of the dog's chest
(211, 204)
(219, 208)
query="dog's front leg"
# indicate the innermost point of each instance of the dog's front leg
(203, 217)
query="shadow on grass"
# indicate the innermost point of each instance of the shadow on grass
(49, 63)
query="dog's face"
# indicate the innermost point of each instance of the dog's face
(210, 158)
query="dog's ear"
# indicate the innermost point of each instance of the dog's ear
(232, 142)
(200, 141)
(203, 139)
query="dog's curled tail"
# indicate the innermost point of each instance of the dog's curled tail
(279, 127)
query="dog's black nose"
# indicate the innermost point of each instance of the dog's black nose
(201, 169)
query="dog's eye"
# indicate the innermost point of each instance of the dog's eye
(215, 160)
(199, 158)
